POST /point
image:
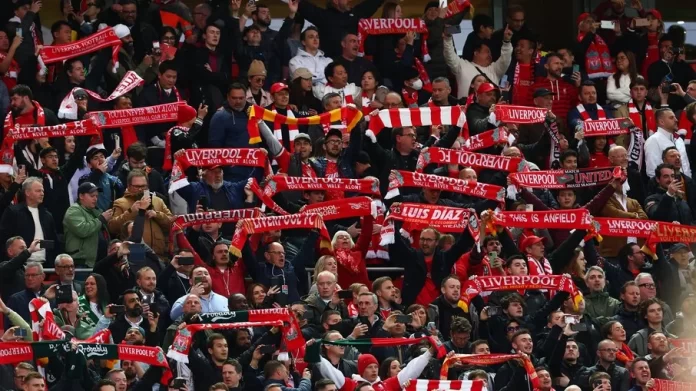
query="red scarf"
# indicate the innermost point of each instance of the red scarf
(606, 127)
(392, 26)
(565, 179)
(520, 114)
(293, 130)
(490, 359)
(487, 139)
(212, 157)
(459, 6)
(614, 226)
(340, 209)
(637, 117)
(551, 219)
(68, 106)
(624, 355)
(417, 217)
(398, 179)
(598, 62)
(433, 385)
(211, 217)
(423, 75)
(13, 128)
(280, 183)
(109, 119)
(668, 385)
(100, 40)
(247, 227)
(434, 155)
(669, 232)
(350, 114)
(433, 115)
(10, 77)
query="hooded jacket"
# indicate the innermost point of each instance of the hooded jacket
(600, 305)
(314, 63)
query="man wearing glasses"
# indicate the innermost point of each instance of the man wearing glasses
(65, 269)
(606, 362)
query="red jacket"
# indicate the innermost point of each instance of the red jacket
(357, 272)
(565, 95)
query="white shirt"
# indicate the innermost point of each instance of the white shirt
(657, 143)
(39, 256)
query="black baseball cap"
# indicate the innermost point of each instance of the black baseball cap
(678, 247)
(94, 151)
(363, 158)
(542, 92)
(88, 187)
(334, 132)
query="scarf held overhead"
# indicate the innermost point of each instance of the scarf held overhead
(606, 127)
(450, 385)
(247, 227)
(487, 139)
(416, 217)
(100, 40)
(211, 157)
(434, 155)
(551, 219)
(343, 208)
(668, 232)
(211, 217)
(68, 107)
(668, 385)
(280, 183)
(520, 114)
(398, 179)
(107, 119)
(393, 26)
(565, 179)
(419, 116)
(350, 114)
(613, 226)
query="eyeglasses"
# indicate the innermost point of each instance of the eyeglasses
(139, 186)
(91, 4)
(649, 286)
(412, 135)
(512, 329)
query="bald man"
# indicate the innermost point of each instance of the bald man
(633, 187)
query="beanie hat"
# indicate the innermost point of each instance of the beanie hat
(186, 113)
(257, 68)
(364, 360)
(431, 4)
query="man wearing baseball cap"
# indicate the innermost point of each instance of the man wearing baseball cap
(280, 92)
(86, 227)
(479, 115)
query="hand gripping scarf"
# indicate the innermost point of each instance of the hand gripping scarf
(490, 359)
(366, 344)
(280, 183)
(398, 179)
(15, 133)
(475, 286)
(469, 159)
(393, 26)
(555, 136)
(100, 40)
(520, 114)
(247, 227)
(668, 385)
(265, 200)
(450, 385)
(417, 217)
(68, 107)
(419, 116)
(565, 179)
(459, 6)
(343, 208)
(211, 157)
(668, 232)
(488, 139)
(14, 352)
(349, 114)
(606, 127)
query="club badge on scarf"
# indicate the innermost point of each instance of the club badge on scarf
(348, 114)
(434, 155)
(211, 157)
(343, 208)
(520, 114)
(108, 119)
(565, 179)
(68, 107)
(416, 217)
(420, 116)
(100, 40)
(247, 227)
(606, 127)
(473, 287)
(266, 201)
(487, 139)
(399, 179)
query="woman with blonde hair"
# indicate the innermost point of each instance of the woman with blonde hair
(351, 256)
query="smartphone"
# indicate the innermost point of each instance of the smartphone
(178, 383)
(641, 22)
(20, 332)
(117, 309)
(452, 30)
(576, 68)
(203, 202)
(137, 252)
(504, 82)
(607, 24)
(494, 310)
(405, 319)
(568, 319)
(277, 281)
(345, 294)
(185, 261)
(363, 320)
(64, 294)
(267, 349)
(199, 280)
(578, 327)
(19, 32)
(431, 326)
(443, 3)
(667, 88)
(47, 244)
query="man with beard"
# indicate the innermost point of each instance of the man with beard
(126, 61)
(627, 313)
(671, 155)
(339, 161)
(565, 95)
(665, 361)
(446, 304)
(631, 261)
(153, 300)
(28, 112)
(210, 69)
(201, 288)
(668, 204)
(130, 369)
(588, 108)
(85, 227)
(122, 326)
(512, 372)
(143, 33)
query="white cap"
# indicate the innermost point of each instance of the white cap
(121, 31)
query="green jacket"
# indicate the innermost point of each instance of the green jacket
(82, 228)
(88, 319)
(601, 306)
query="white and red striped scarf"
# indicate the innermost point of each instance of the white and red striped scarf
(436, 385)
(40, 310)
(420, 116)
(635, 116)
(586, 116)
(293, 130)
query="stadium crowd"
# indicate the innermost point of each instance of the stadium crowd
(192, 200)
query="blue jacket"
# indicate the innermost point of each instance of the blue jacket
(195, 190)
(111, 188)
(305, 385)
(293, 270)
(228, 129)
(574, 115)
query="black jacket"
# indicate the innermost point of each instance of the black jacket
(116, 280)
(477, 118)
(620, 379)
(689, 189)
(446, 311)
(120, 326)
(631, 321)
(172, 285)
(18, 221)
(12, 275)
(153, 95)
(662, 207)
(415, 269)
